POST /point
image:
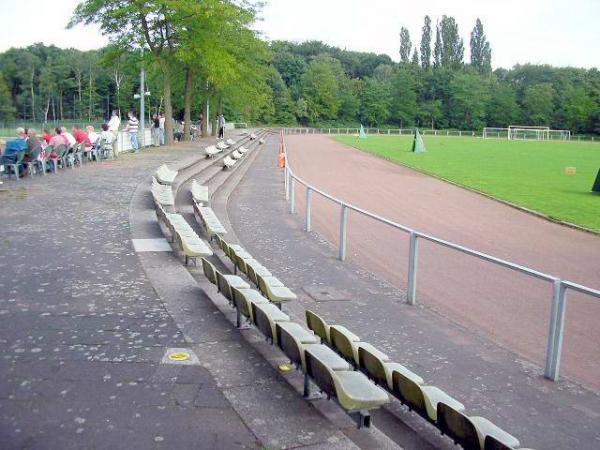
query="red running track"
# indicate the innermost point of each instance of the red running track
(510, 308)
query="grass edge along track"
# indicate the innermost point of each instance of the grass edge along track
(529, 174)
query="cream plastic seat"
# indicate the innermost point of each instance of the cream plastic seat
(230, 141)
(318, 325)
(236, 155)
(347, 344)
(199, 193)
(165, 175)
(228, 162)
(222, 145)
(212, 150)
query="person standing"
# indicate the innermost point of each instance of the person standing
(113, 126)
(221, 125)
(132, 129)
(155, 130)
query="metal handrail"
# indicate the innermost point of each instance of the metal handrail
(559, 298)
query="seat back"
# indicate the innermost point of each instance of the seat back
(457, 426)
(320, 374)
(262, 284)
(372, 366)
(317, 325)
(409, 393)
(240, 263)
(240, 302)
(341, 344)
(35, 153)
(261, 320)
(209, 271)
(223, 285)
(491, 443)
(288, 345)
(219, 239)
(252, 275)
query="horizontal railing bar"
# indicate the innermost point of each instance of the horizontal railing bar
(582, 289)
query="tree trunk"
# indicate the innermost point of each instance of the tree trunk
(46, 112)
(166, 70)
(60, 105)
(90, 95)
(53, 110)
(32, 97)
(187, 114)
(206, 118)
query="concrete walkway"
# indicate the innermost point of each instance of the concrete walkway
(83, 334)
(490, 380)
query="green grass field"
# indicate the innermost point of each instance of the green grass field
(527, 173)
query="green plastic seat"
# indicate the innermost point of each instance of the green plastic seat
(471, 432)
(265, 316)
(318, 325)
(354, 392)
(290, 339)
(381, 371)
(347, 344)
(421, 399)
(243, 299)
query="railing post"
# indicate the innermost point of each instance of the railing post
(343, 232)
(556, 331)
(413, 259)
(307, 224)
(292, 196)
(287, 183)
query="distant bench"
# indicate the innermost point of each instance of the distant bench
(164, 175)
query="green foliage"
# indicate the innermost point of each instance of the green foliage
(538, 103)
(527, 173)
(481, 52)
(469, 97)
(375, 102)
(405, 46)
(7, 110)
(320, 88)
(426, 44)
(404, 97)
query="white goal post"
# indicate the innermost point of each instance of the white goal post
(524, 132)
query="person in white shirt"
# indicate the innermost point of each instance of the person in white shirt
(113, 126)
(70, 138)
(92, 135)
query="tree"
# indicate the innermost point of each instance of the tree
(405, 46)
(538, 104)
(502, 108)
(578, 109)
(437, 48)
(375, 102)
(452, 47)
(155, 24)
(404, 98)
(469, 96)
(7, 109)
(481, 52)
(321, 89)
(415, 58)
(430, 112)
(426, 44)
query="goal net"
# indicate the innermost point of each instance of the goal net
(521, 132)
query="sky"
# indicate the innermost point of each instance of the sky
(557, 32)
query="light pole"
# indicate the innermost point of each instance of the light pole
(142, 95)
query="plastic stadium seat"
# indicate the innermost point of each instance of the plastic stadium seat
(212, 150)
(165, 175)
(421, 399)
(318, 325)
(470, 432)
(228, 162)
(347, 344)
(266, 316)
(291, 337)
(199, 193)
(381, 371)
(354, 392)
(243, 299)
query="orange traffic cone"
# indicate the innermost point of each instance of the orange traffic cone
(281, 160)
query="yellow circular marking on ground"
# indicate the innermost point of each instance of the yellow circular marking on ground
(179, 356)
(285, 367)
